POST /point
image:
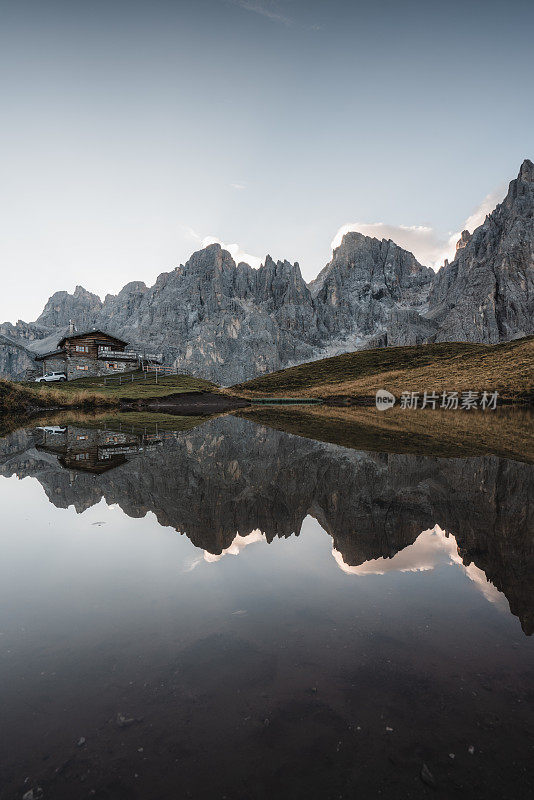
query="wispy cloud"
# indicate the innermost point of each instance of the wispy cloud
(427, 245)
(238, 186)
(239, 543)
(432, 548)
(235, 250)
(190, 234)
(486, 207)
(266, 8)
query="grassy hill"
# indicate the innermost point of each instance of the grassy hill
(452, 366)
(16, 398)
(507, 432)
(19, 401)
(139, 388)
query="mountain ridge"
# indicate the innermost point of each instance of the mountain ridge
(229, 322)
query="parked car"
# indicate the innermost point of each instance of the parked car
(50, 377)
(51, 429)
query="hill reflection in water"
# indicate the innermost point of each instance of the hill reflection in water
(229, 610)
(230, 482)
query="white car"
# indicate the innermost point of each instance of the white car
(51, 429)
(50, 377)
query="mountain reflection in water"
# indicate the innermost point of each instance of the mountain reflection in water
(375, 638)
(230, 482)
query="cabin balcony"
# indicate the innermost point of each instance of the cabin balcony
(129, 355)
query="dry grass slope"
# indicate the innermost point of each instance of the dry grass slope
(136, 389)
(507, 432)
(16, 399)
(454, 366)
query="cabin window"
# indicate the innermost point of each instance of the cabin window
(83, 367)
(82, 348)
(82, 456)
(105, 347)
(112, 365)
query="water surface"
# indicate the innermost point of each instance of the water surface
(233, 611)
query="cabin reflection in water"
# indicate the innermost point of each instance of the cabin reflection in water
(91, 449)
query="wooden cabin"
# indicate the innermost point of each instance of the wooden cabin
(89, 354)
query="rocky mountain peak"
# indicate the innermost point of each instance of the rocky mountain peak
(350, 241)
(81, 292)
(134, 286)
(520, 197)
(364, 281)
(526, 172)
(82, 307)
(486, 294)
(210, 260)
(463, 240)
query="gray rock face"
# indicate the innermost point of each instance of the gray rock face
(214, 318)
(16, 360)
(408, 327)
(487, 293)
(63, 307)
(229, 322)
(364, 281)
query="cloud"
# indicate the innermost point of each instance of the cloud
(486, 207)
(239, 543)
(423, 241)
(432, 549)
(238, 186)
(266, 8)
(189, 233)
(234, 250)
(191, 563)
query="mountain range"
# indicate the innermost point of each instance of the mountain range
(229, 322)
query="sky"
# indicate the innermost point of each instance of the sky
(133, 133)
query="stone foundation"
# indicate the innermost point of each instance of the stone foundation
(86, 367)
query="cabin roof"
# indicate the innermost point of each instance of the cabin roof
(41, 356)
(80, 334)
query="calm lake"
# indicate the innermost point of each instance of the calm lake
(230, 611)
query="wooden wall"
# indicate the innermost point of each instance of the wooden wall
(90, 343)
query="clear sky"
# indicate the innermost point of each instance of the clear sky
(132, 132)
